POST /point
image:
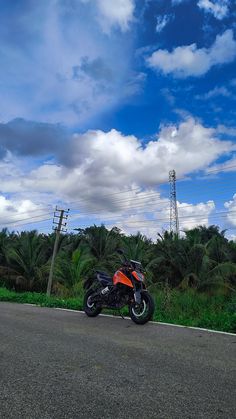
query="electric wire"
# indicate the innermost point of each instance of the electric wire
(144, 195)
(25, 219)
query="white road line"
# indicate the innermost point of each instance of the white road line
(152, 322)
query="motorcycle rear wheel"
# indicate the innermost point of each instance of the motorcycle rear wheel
(141, 314)
(91, 309)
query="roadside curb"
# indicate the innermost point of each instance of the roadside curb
(151, 322)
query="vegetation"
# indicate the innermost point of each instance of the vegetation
(193, 278)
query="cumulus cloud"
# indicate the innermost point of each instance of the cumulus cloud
(162, 21)
(188, 60)
(117, 159)
(12, 210)
(152, 216)
(157, 218)
(219, 8)
(191, 216)
(231, 207)
(99, 162)
(113, 174)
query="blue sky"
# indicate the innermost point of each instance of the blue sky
(101, 99)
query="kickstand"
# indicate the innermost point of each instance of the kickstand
(121, 315)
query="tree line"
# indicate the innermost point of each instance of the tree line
(203, 259)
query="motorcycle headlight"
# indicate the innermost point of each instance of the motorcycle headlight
(140, 276)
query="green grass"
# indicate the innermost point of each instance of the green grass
(186, 308)
(198, 310)
(40, 299)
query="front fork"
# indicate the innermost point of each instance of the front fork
(137, 293)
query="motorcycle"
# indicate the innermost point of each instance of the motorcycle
(127, 287)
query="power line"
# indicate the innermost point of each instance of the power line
(15, 223)
(220, 214)
(159, 209)
(138, 188)
(36, 210)
(215, 215)
(163, 202)
(221, 170)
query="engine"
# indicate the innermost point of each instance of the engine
(113, 296)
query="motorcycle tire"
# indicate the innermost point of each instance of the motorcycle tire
(143, 313)
(92, 310)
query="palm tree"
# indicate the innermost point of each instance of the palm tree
(169, 259)
(4, 240)
(71, 272)
(203, 234)
(27, 262)
(102, 244)
(188, 263)
(137, 247)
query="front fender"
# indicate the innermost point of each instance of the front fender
(137, 293)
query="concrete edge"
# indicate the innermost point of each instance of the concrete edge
(152, 322)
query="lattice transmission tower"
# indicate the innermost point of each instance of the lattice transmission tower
(174, 219)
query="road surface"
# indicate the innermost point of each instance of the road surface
(62, 364)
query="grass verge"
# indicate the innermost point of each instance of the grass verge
(185, 308)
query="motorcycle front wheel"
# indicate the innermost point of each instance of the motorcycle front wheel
(142, 313)
(91, 309)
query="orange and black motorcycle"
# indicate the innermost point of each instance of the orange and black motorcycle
(127, 287)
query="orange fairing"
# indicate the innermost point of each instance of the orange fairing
(121, 278)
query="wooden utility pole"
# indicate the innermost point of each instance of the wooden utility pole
(58, 230)
(174, 219)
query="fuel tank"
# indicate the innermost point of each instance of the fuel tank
(120, 278)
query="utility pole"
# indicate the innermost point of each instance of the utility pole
(174, 219)
(58, 214)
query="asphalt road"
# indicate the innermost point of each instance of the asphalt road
(59, 364)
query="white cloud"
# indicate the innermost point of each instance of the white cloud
(162, 21)
(98, 163)
(12, 210)
(222, 129)
(156, 217)
(217, 91)
(231, 207)
(118, 13)
(219, 8)
(185, 61)
(114, 158)
(191, 216)
(227, 166)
